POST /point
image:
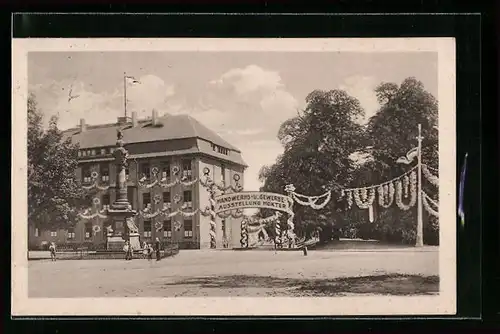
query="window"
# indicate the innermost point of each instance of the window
(53, 233)
(79, 153)
(146, 200)
(86, 174)
(105, 201)
(71, 234)
(165, 170)
(104, 172)
(167, 229)
(214, 147)
(126, 173)
(103, 151)
(166, 200)
(88, 230)
(188, 229)
(222, 150)
(186, 169)
(147, 228)
(37, 233)
(145, 170)
(223, 173)
(188, 201)
(93, 152)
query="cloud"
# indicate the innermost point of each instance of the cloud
(248, 132)
(244, 105)
(151, 93)
(250, 79)
(53, 97)
(363, 88)
(249, 98)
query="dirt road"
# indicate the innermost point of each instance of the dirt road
(239, 273)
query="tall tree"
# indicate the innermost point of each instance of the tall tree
(392, 133)
(54, 195)
(317, 145)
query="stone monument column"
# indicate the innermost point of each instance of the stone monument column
(121, 212)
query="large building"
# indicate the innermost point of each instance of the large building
(176, 147)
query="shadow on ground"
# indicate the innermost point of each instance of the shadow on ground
(398, 285)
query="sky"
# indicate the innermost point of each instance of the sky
(242, 96)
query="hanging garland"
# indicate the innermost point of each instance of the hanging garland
(413, 193)
(368, 198)
(238, 213)
(88, 217)
(158, 226)
(244, 234)
(406, 183)
(177, 225)
(157, 199)
(146, 215)
(425, 201)
(370, 214)
(429, 176)
(213, 225)
(349, 199)
(386, 192)
(312, 200)
(164, 185)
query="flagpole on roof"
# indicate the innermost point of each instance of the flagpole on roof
(125, 93)
(420, 226)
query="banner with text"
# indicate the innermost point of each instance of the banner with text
(247, 199)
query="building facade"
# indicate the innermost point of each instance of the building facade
(175, 149)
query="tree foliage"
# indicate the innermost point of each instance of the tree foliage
(317, 145)
(54, 195)
(392, 132)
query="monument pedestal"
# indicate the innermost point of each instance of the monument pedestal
(134, 241)
(121, 233)
(115, 242)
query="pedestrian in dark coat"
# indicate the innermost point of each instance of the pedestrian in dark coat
(157, 249)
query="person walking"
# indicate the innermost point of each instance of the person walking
(145, 250)
(128, 251)
(150, 252)
(157, 248)
(52, 249)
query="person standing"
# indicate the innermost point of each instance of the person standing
(157, 248)
(128, 251)
(52, 249)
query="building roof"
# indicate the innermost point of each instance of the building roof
(171, 127)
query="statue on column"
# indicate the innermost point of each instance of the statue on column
(131, 225)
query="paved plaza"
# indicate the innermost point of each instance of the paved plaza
(241, 273)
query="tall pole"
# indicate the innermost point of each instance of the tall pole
(420, 225)
(125, 92)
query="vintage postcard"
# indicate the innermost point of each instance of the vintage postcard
(205, 177)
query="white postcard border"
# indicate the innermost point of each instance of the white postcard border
(444, 303)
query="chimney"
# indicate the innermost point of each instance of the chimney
(83, 126)
(154, 119)
(134, 119)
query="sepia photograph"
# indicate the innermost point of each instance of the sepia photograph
(234, 177)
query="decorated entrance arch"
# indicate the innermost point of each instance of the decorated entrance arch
(228, 201)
